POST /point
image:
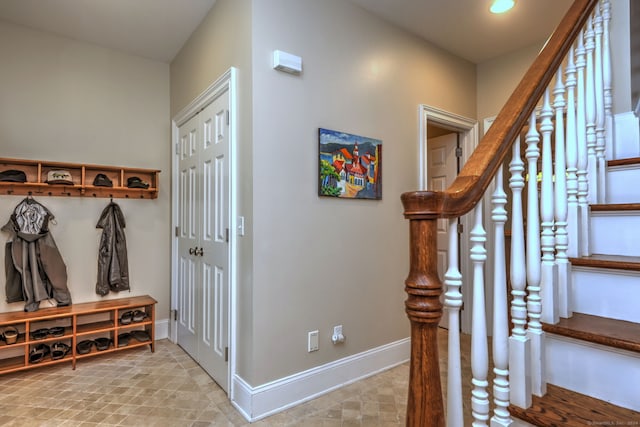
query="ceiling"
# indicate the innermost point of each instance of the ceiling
(154, 29)
(157, 29)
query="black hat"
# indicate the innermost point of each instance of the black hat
(102, 180)
(136, 182)
(12, 175)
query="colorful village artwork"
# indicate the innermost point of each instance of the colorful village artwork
(350, 165)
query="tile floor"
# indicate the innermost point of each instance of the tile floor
(167, 388)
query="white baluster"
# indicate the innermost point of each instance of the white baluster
(561, 203)
(453, 302)
(479, 346)
(572, 159)
(606, 78)
(519, 343)
(600, 114)
(535, 333)
(581, 126)
(590, 112)
(548, 280)
(501, 416)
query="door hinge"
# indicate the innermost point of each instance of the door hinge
(175, 314)
(177, 231)
(226, 354)
(458, 151)
(228, 114)
(460, 228)
(177, 148)
(227, 235)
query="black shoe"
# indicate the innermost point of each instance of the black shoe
(59, 350)
(38, 353)
(84, 347)
(102, 343)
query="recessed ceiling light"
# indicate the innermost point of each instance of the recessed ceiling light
(502, 6)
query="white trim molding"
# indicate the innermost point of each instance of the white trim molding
(162, 329)
(468, 133)
(255, 403)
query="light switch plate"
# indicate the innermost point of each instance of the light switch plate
(313, 341)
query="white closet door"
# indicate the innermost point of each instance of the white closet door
(189, 221)
(214, 240)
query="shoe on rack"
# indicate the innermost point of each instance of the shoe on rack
(126, 317)
(10, 335)
(123, 339)
(139, 316)
(59, 350)
(141, 336)
(84, 347)
(102, 343)
(38, 353)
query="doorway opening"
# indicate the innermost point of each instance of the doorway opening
(446, 142)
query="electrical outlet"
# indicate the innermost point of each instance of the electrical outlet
(337, 331)
(312, 344)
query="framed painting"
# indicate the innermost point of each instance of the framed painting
(349, 166)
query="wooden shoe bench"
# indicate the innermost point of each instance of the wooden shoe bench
(84, 321)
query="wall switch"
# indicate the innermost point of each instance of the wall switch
(313, 341)
(240, 226)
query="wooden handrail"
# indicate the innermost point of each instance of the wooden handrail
(425, 405)
(474, 178)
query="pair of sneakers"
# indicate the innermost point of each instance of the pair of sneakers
(134, 316)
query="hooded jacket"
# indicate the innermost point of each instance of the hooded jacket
(113, 267)
(34, 267)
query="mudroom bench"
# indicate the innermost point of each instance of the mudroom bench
(67, 334)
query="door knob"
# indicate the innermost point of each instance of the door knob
(199, 251)
(192, 250)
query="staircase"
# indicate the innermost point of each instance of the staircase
(569, 355)
(593, 357)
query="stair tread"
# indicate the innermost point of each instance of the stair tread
(608, 207)
(562, 407)
(620, 262)
(601, 330)
(624, 162)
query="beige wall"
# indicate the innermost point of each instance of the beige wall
(498, 78)
(320, 262)
(223, 40)
(69, 101)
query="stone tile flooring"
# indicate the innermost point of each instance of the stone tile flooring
(167, 388)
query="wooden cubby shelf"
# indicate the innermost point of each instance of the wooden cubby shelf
(82, 176)
(84, 321)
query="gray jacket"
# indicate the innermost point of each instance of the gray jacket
(113, 267)
(34, 267)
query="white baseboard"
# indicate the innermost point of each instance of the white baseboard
(162, 329)
(255, 403)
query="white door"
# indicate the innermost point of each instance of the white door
(189, 135)
(442, 169)
(203, 241)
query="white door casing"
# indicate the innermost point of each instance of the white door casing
(204, 216)
(442, 170)
(467, 130)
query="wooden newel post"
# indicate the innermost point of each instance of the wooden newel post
(425, 406)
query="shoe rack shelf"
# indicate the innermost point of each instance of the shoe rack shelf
(83, 176)
(73, 325)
